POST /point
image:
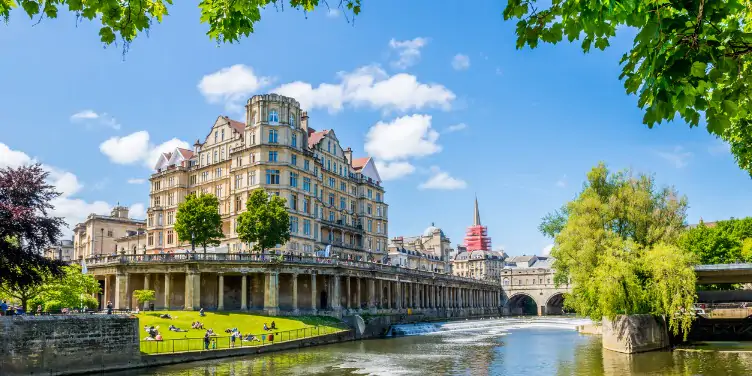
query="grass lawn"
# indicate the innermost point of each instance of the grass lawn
(288, 328)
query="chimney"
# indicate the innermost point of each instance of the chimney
(197, 147)
(304, 121)
(348, 155)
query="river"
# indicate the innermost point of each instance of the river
(510, 346)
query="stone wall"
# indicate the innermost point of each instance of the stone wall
(70, 344)
(635, 333)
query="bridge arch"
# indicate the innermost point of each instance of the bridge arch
(522, 303)
(555, 304)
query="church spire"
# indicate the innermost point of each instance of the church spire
(476, 220)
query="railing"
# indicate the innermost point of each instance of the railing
(65, 312)
(226, 342)
(271, 258)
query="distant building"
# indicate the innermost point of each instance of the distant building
(430, 251)
(475, 259)
(134, 242)
(63, 251)
(97, 235)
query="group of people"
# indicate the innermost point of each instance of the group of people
(273, 327)
(153, 333)
(10, 310)
(197, 325)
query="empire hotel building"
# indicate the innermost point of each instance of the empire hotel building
(332, 198)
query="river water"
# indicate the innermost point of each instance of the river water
(510, 346)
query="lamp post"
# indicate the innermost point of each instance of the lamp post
(101, 242)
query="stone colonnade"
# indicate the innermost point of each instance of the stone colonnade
(297, 291)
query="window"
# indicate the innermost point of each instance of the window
(294, 140)
(378, 227)
(315, 231)
(109, 233)
(170, 217)
(370, 225)
(214, 160)
(272, 176)
(169, 236)
(223, 135)
(238, 181)
(215, 136)
(292, 122)
(159, 239)
(218, 191)
(316, 190)
(306, 205)
(378, 211)
(316, 170)
(151, 239)
(293, 179)
(369, 209)
(329, 164)
(307, 227)
(222, 154)
(306, 164)
(342, 203)
(307, 184)
(331, 217)
(157, 201)
(342, 186)
(238, 203)
(192, 180)
(205, 176)
(272, 156)
(294, 160)
(218, 172)
(378, 197)
(251, 179)
(331, 199)
(273, 117)
(370, 193)
(293, 224)
(273, 136)
(332, 182)
(293, 201)
(329, 146)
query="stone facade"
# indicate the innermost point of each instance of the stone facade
(66, 344)
(333, 198)
(62, 251)
(530, 278)
(429, 251)
(97, 235)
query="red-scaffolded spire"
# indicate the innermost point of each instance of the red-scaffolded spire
(476, 237)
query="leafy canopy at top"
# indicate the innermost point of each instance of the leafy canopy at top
(198, 221)
(689, 57)
(265, 222)
(616, 244)
(721, 243)
(228, 20)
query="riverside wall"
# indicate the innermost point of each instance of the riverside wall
(635, 333)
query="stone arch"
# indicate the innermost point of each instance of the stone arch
(522, 303)
(555, 304)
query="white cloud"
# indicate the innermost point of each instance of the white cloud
(460, 62)
(394, 170)
(137, 211)
(406, 136)
(408, 51)
(12, 158)
(136, 147)
(231, 86)
(65, 182)
(562, 183)
(333, 13)
(91, 118)
(547, 250)
(370, 86)
(455, 128)
(136, 181)
(442, 180)
(678, 156)
(75, 210)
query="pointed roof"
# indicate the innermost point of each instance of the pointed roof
(359, 163)
(187, 154)
(316, 137)
(476, 220)
(238, 126)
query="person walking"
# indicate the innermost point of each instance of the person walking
(109, 307)
(207, 339)
(3, 308)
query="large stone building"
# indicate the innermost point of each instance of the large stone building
(529, 287)
(97, 235)
(475, 259)
(63, 251)
(332, 198)
(429, 251)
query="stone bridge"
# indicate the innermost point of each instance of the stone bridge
(531, 291)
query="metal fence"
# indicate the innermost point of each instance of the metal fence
(65, 312)
(226, 342)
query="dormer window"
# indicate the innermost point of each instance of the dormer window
(273, 117)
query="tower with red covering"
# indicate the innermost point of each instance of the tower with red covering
(476, 237)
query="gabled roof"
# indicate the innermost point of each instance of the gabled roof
(238, 126)
(359, 163)
(186, 153)
(316, 137)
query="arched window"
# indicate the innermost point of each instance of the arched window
(253, 118)
(292, 121)
(273, 116)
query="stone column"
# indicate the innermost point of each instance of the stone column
(348, 302)
(410, 295)
(389, 297)
(188, 305)
(381, 294)
(120, 291)
(271, 293)
(106, 296)
(167, 290)
(371, 294)
(358, 299)
(295, 293)
(197, 289)
(398, 293)
(244, 292)
(146, 287)
(221, 292)
(314, 293)
(335, 295)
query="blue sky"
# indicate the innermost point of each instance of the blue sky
(535, 121)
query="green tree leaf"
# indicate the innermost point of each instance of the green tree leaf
(198, 222)
(265, 222)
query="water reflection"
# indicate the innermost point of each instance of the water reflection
(487, 347)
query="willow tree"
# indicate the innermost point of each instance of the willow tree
(616, 244)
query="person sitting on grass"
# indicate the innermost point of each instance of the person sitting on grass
(158, 337)
(174, 328)
(266, 328)
(274, 326)
(165, 316)
(250, 337)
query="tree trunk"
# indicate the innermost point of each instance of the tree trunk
(193, 246)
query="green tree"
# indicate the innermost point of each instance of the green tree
(688, 58)
(228, 21)
(198, 221)
(265, 222)
(618, 250)
(722, 243)
(144, 296)
(74, 289)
